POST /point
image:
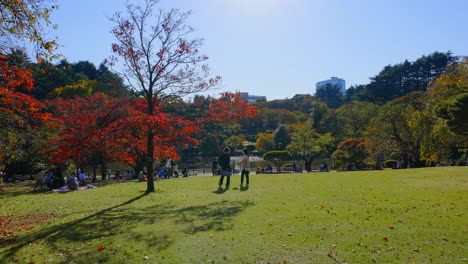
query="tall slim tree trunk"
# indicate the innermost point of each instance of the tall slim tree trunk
(308, 165)
(94, 173)
(139, 165)
(103, 171)
(150, 142)
(149, 162)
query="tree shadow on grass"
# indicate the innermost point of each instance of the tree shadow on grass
(19, 189)
(120, 220)
(217, 216)
(81, 230)
(27, 188)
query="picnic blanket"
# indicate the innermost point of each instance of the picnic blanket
(66, 189)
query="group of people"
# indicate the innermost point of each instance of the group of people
(225, 170)
(54, 179)
(401, 164)
(73, 182)
(170, 170)
(297, 168)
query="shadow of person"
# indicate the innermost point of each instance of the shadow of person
(220, 191)
(244, 188)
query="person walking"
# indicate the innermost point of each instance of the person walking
(245, 167)
(224, 162)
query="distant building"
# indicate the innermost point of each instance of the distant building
(333, 81)
(253, 98)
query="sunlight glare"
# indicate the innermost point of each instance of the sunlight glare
(256, 7)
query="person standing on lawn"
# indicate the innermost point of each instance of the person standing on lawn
(224, 162)
(245, 167)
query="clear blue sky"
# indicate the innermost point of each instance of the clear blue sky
(279, 48)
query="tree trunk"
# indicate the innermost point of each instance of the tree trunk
(103, 171)
(308, 165)
(94, 173)
(140, 163)
(149, 162)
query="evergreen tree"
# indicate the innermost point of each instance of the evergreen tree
(281, 138)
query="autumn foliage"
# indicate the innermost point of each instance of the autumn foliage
(18, 109)
(351, 150)
(19, 112)
(170, 131)
(115, 130)
(230, 107)
(88, 127)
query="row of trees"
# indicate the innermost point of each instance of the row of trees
(86, 116)
(425, 125)
(75, 112)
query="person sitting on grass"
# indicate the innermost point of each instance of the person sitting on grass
(72, 183)
(185, 172)
(82, 179)
(58, 180)
(142, 176)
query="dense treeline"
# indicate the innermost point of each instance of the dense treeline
(398, 80)
(402, 114)
(413, 111)
(76, 115)
(94, 120)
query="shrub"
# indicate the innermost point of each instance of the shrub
(390, 163)
(278, 157)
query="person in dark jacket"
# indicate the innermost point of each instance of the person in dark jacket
(224, 162)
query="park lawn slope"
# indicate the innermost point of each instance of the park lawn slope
(389, 216)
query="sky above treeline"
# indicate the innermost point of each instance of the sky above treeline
(279, 48)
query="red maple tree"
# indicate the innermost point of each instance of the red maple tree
(16, 106)
(229, 107)
(88, 129)
(170, 132)
(96, 130)
(19, 112)
(160, 60)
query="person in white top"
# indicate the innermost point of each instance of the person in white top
(245, 167)
(171, 167)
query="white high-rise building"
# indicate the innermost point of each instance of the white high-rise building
(253, 98)
(333, 81)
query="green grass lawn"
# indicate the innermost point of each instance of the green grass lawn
(390, 216)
